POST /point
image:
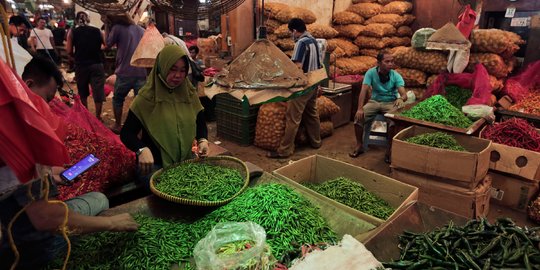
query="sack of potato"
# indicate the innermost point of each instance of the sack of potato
(272, 25)
(321, 31)
(285, 44)
(418, 91)
(369, 42)
(404, 31)
(283, 31)
(496, 84)
(378, 30)
(286, 14)
(495, 41)
(397, 7)
(327, 128)
(426, 61)
(363, 1)
(412, 77)
(494, 64)
(273, 8)
(431, 79)
(369, 52)
(397, 41)
(366, 10)
(355, 65)
(393, 19)
(409, 18)
(347, 17)
(270, 125)
(272, 37)
(326, 108)
(349, 30)
(343, 47)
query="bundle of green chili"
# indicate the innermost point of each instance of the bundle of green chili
(457, 96)
(476, 245)
(515, 132)
(529, 104)
(353, 194)
(200, 181)
(437, 139)
(287, 218)
(437, 109)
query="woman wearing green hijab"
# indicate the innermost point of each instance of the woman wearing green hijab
(169, 114)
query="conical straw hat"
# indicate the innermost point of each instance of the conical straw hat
(149, 47)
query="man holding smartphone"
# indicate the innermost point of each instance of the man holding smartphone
(34, 231)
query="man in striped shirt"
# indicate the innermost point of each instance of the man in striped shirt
(306, 55)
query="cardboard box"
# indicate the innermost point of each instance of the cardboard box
(318, 169)
(467, 169)
(512, 191)
(517, 161)
(436, 192)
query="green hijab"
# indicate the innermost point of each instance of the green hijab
(168, 113)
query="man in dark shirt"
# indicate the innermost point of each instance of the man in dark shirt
(84, 42)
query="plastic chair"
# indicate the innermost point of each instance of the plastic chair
(375, 137)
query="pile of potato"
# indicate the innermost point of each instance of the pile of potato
(425, 61)
(372, 25)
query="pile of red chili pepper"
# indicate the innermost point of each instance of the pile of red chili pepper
(117, 163)
(514, 132)
(529, 104)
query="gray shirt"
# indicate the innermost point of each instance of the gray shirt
(126, 38)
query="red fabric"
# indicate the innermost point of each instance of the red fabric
(466, 21)
(478, 81)
(28, 130)
(526, 81)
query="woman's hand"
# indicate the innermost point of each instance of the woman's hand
(203, 148)
(146, 161)
(123, 223)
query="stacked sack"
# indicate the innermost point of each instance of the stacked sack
(370, 25)
(279, 15)
(271, 123)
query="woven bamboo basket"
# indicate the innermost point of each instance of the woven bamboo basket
(222, 161)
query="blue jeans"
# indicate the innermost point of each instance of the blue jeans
(38, 248)
(123, 85)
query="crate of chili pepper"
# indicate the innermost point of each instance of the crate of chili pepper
(376, 197)
(515, 148)
(465, 164)
(527, 108)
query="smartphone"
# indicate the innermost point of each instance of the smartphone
(80, 167)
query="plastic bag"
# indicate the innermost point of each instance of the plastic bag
(478, 111)
(478, 81)
(466, 21)
(213, 252)
(520, 85)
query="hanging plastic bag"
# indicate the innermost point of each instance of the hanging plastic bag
(234, 245)
(466, 21)
(458, 60)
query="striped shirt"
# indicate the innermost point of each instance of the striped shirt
(307, 52)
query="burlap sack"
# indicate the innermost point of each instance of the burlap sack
(355, 65)
(285, 44)
(149, 47)
(321, 31)
(270, 125)
(369, 52)
(272, 37)
(363, 1)
(366, 62)
(494, 64)
(343, 47)
(404, 31)
(366, 10)
(349, 31)
(409, 18)
(393, 19)
(412, 77)
(495, 41)
(331, 45)
(327, 129)
(370, 42)
(285, 15)
(384, 2)
(326, 108)
(397, 7)
(378, 30)
(283, 31)
(397, 41)
(272, 25)
(272, 9)
(496, 84)
(347, 17)
(426, 61)
(431, 79)
(335, 71)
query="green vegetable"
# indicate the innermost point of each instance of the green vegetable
(437, 139)
(353, 194)
(436, 109)
(289, 221)
(199, 181)
(476, 245)
(457, 96)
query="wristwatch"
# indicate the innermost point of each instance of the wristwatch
(139, 151)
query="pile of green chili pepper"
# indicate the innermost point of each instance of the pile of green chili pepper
(437, 139)
(199, 181)
(457, 96)
(476, 245)
(289, 220)
(353, 194)
(436, 109)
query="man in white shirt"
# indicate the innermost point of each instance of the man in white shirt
(43, 40)
(17, 24)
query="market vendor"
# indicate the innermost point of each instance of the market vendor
(35, 230)
(168, 113)
(381, 86)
